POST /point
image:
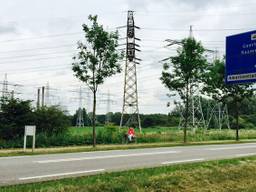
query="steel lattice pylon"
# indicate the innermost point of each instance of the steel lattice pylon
(218, 113)
(5, 93)
(80, 116)
(130, 97)
(195, 114)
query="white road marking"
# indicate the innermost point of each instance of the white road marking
(228, 148)
(245, 154)
(15, 157)
(61, 174)
(105, 157)
(182, 161)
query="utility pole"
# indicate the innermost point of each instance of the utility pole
(130, 95)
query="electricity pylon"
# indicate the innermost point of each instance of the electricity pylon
(195, 118)
(218, 113)
(108, 102)
(130, 95)
(195, 114)
(5, 93)
(80, 116)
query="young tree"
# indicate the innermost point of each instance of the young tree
(182, 73)
(215, 87)
(97, 59)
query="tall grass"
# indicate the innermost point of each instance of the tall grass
(112, 135)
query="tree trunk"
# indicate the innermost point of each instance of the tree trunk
(94, 119)
(237, 121)
(186, 116)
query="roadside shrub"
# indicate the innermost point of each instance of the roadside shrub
(51, 120)
(14, 115)
(109, 134)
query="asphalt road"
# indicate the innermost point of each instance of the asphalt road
(25, 169)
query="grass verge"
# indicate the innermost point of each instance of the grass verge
(74, 149)
(234, 175)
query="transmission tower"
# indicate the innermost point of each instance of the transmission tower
(130, 95)
(80, 116)
(108, 101)
(5, 93)
(196, 117)
(195, 114)
(218, 113)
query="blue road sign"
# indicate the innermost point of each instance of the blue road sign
(241, 58)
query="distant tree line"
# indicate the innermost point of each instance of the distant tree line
(147, 120)
(247, 116)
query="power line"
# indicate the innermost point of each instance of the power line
(35, 59)
(38, 48)
(43, 37)
(202, 29)
(34, 55)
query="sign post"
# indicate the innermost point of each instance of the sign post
(30, 130)
(241, 58)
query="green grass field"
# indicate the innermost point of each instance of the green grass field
(235, 175)
(110, 135)
(172, 134)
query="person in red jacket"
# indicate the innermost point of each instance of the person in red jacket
(131, 134)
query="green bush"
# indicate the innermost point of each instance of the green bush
(14, 115)
(51, 120)
(51, 123)
(112, 135)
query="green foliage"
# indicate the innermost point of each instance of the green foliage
(147, 120)
(14, 115)
(51, 120)
(110, 134)
(183, 72)
(233, 95)
(216, 88)
(86, 118)
(97, 59)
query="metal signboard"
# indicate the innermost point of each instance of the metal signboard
(30, 130)
(241, 58)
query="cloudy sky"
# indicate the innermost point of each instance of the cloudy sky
(38, 39)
